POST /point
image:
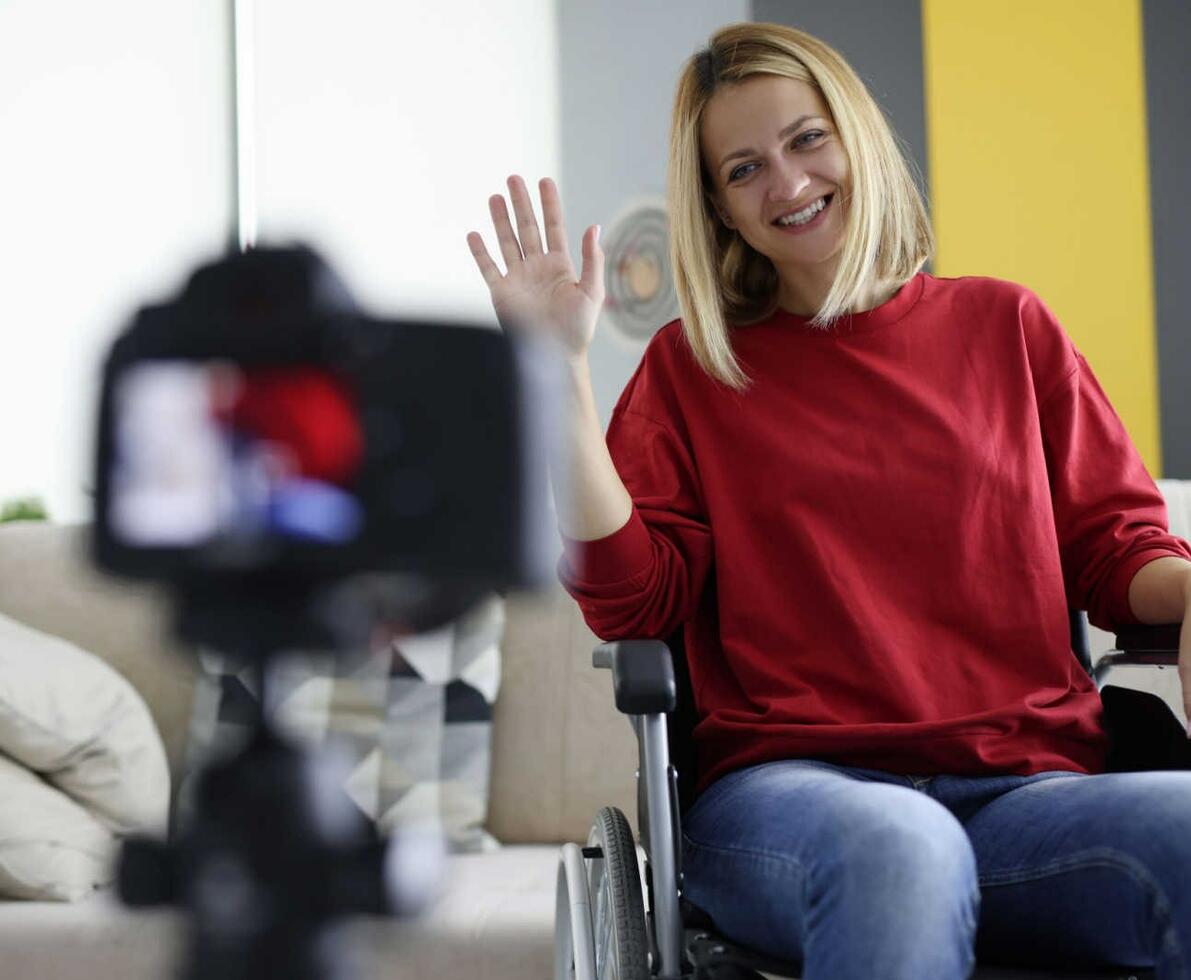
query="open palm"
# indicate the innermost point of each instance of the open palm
(539, 291)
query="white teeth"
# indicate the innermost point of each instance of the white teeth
(805, 215)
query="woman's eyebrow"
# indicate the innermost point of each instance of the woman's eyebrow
(749, 151)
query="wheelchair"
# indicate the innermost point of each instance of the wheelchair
(618, 918)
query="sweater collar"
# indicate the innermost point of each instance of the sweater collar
(889, 312)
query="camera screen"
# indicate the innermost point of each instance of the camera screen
(210, 452)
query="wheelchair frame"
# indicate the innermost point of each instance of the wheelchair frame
(645, 689)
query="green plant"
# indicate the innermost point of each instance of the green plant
(23, 509)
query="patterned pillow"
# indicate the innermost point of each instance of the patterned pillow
(414, 722)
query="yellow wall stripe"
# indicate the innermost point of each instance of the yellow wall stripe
(1039, 173)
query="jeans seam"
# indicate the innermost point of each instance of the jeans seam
(1110, 858)
(776, 857)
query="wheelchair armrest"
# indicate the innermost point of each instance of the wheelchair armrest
(642, 675)
(1149, 639)
(1140, 646)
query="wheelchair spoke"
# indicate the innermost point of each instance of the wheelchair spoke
(602, 924)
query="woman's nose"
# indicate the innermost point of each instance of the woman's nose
(789, 180)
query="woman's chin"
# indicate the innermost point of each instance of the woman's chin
(806, 253)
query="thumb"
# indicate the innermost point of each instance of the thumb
(592, 280)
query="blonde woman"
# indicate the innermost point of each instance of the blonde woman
(869, 494)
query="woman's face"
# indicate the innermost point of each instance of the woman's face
(772, 150)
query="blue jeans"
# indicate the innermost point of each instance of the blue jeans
(858, 873)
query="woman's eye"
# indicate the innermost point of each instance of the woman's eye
(802, 139)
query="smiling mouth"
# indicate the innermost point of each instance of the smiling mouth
(808, 214)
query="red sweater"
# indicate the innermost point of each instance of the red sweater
(874, 547)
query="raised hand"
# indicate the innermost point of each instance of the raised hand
(539, 291)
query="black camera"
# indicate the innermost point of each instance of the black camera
(299, 473)
(262, 436)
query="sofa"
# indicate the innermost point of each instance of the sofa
(559, 752)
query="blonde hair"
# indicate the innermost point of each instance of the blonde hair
(720, 279)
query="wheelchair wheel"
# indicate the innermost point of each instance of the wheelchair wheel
(574, 957)
(617, 910)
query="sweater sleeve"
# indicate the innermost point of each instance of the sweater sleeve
(1110, 516)
(645, 579)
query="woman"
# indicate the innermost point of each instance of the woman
(870, 494)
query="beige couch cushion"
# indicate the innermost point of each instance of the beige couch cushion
(495, 921)
(560, 749)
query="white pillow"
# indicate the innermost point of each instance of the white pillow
(67, 715)
(51, 849)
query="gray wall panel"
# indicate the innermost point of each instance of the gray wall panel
(1167, 27)
(619, 63)
(882, 41)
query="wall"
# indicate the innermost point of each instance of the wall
(381, 131)
(618, 66)
(1039, 175)
(1022, 120)
(1167, 33)
(382, 145)
(113, 182)
(384, 129)
(1031, 121)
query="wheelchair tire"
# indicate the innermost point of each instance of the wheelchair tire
(617, 909)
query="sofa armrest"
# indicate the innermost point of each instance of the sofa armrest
(642, 675)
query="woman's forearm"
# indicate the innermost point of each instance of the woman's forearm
(1160, 591)
(589, 496)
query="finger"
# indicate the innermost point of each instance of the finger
(556, 232)
(479, 251)
(510, 250)
(592, 280)
(527, 222)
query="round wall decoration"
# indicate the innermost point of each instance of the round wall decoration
(637, 276)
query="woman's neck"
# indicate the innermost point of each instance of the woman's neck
(805, 297)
